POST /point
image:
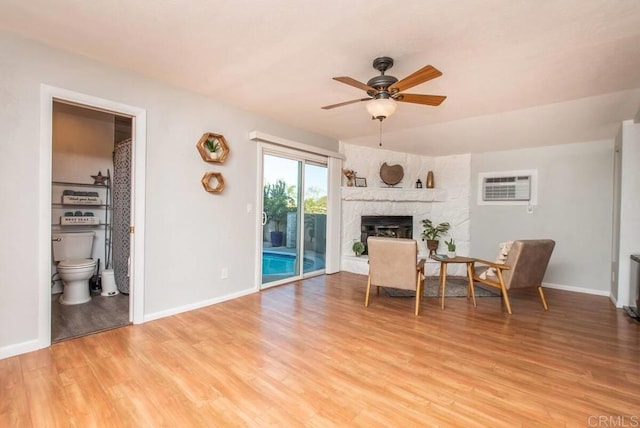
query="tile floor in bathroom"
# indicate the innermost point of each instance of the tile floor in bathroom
(101, 313)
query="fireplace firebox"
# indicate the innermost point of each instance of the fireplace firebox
(392, 226)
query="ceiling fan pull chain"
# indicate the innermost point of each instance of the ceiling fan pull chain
(380, 144)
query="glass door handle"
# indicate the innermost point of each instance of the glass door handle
(264, 218)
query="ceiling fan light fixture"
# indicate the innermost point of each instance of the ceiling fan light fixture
(381, 108)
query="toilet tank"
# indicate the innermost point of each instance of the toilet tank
(69, 245)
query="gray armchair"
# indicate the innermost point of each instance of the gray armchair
(393, 263)
(525, 266)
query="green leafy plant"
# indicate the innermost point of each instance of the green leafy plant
(451, 246)
(432, 232)
(358, 247)
(212, 144)
(277, 203)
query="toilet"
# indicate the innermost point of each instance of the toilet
(72, 251)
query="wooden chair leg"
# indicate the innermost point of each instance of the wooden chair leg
(470, 288)
(366, 298)
(505, 295)
(544, 302)
(377, 291)
(418, 293)
(443, 280)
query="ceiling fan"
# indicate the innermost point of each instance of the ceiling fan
(383, 91)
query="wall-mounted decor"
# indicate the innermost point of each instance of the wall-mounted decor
(213, 147)
(213, 182)
(391, 174)
(361, 182)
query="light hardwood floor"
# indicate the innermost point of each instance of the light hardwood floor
(311, 354)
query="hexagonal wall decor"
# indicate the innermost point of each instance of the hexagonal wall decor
(208, 156)
(213, 182)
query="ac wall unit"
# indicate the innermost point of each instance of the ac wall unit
(514, 188)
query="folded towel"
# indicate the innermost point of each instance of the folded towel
(78, 214)
(68, 192)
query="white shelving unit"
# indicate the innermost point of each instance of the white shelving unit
(101, 211)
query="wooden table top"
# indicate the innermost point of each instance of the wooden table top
(456, 259)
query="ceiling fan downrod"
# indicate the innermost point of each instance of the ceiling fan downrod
(382, 82)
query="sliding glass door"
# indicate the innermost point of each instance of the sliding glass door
(294, 212)
(315, 217)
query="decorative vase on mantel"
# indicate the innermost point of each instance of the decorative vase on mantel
(430, 182)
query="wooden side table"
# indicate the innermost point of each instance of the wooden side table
(444, 261)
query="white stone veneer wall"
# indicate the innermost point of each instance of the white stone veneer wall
(452, 174)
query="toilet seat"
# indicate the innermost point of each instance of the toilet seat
(77, 264)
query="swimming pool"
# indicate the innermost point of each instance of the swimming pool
(282, 264)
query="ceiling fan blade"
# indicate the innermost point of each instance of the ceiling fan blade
(430, 100)
(345, 103)
(353, 82)
(424, 74)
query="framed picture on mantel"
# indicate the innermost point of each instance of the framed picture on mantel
(361, 182)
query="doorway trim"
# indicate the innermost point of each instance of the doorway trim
(49, 94)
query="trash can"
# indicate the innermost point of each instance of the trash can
(108, 283)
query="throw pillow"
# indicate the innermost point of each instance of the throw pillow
(503, 253)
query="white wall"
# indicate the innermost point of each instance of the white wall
(190, 234)
(575, 200)
(629, 243)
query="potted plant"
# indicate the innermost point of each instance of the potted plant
(451, 247)
(212, 145)
(277, 203)
(351, 176)
(358, 248)
(432, 232)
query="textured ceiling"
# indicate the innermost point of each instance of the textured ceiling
(562, 63)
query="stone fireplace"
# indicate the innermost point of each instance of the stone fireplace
(448, 201)
(392, 226)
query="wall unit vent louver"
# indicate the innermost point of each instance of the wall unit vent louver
(513, 188)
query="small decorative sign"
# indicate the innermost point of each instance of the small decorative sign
(77, 220)
(81, 200)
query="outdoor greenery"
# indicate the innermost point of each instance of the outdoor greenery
(314, 203)
(278, 202)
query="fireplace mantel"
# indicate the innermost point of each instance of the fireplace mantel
(395, 194)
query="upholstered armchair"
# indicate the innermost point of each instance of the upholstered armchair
(525, 266)
(393, 263)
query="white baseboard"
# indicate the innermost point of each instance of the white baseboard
(21, 348)
(576, 289)
(198, 305)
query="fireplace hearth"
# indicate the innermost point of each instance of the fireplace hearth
(391, 226)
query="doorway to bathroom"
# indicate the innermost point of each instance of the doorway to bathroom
(91, 190)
